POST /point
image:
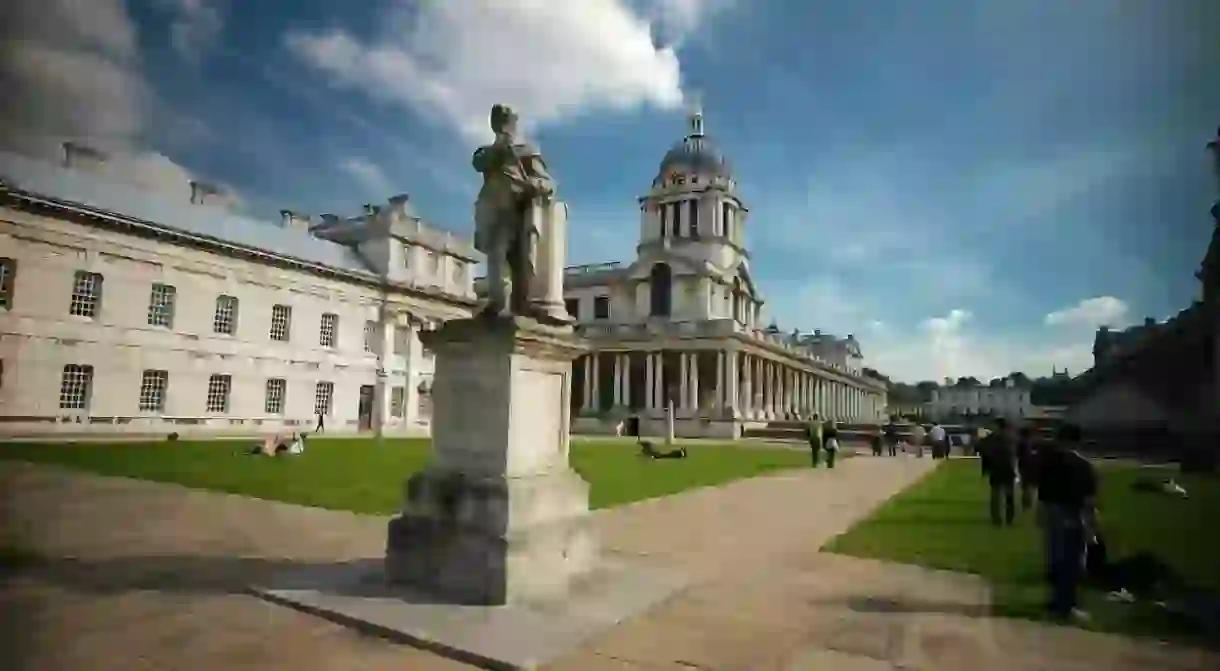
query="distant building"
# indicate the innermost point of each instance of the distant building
(1009, 400)
(127, 311)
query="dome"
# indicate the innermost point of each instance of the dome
(695, 153)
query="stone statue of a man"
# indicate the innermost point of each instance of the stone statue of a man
(513, 207)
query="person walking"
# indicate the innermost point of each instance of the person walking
(1067, 490)
(937, 436)
(813, 433)
(891, 437)
(321, 423)
(1000, 469)
(919, 436)
(830, 438)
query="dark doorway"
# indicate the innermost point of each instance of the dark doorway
(660, 281)
(366, 407)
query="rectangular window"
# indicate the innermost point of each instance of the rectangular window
(153, 385)
(224, 320)
(398, 401)
(694, 218)
(601, 307)
(219, 387)
(8, 278)
(76, 387)
(434, 264)
(663, 211)
(277, 392)
(328, 330)
(726, 220)
(459, 273)
(673, 219)
(572, 305)
(323, 395)
(370, 336)
(161, 305)
(281, 322)
(406, 254)
(86, 294)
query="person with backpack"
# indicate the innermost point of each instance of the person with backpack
(813, 433)
(830, 442)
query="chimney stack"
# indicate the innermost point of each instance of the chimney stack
(295, 221)
(200, 191)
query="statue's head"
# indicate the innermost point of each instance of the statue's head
(503, 119)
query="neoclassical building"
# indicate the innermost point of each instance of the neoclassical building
(682, 323)
(128, 311)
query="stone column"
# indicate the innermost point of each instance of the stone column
(471, 531)
(586, 403)
(595, 403)
(683, 381)
(616, 396)
(722, 387)
(625, 380)
(747, 386)
(694, 381)
(731, 368)
(661, 393)
(650, 375)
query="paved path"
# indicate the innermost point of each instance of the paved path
(158, 572)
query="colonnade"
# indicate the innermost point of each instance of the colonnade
(721, 383)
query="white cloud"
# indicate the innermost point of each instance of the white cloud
(76, 65)
(948, 346)
(452, 60)
(370, 177)
(1090, 313)
(196, 27)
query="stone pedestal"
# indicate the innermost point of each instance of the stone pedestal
(498, 517)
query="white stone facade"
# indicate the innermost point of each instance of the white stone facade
(128, 324)
(1011, 402)
(683, 322)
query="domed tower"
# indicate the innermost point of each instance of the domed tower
(692, 231)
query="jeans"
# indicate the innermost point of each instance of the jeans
(814, 448)
(1065, 540)
(1002, 495)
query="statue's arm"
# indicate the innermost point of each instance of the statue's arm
(535, 167)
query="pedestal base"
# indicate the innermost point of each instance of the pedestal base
(492, 541)
(524, 636)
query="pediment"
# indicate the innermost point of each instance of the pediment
(742, 270)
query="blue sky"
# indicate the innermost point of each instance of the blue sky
(969, 187)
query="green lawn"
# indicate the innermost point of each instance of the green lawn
(367, 477)
(942, 522)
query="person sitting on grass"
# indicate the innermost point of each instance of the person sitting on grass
(648, 450)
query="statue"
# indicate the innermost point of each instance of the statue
(519, 224)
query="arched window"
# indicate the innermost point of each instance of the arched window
(660, 281)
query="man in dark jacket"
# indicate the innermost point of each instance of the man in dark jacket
(1067, 488)
(999, 461)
